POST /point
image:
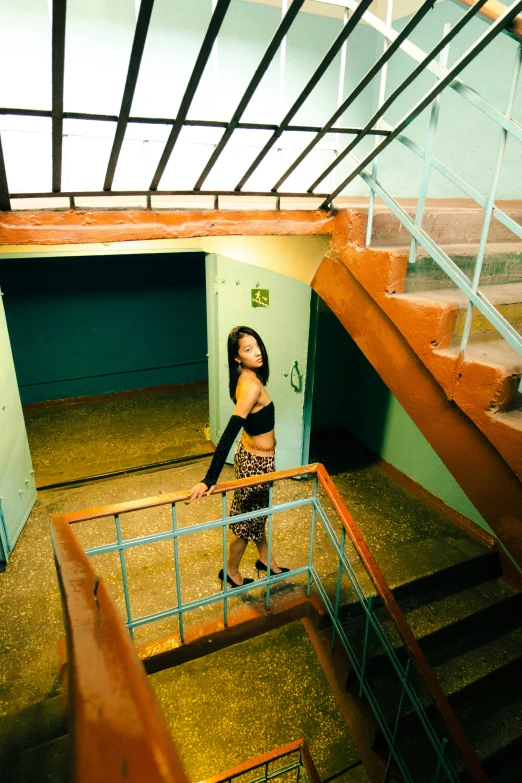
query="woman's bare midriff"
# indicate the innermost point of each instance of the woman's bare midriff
(264, 441)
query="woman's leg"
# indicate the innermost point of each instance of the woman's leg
(262, 548)
(236, 552)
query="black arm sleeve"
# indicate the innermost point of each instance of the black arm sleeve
(222, 449)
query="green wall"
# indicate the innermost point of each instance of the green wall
(81, 326)
(348, 392)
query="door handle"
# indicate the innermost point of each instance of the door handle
(296, 379)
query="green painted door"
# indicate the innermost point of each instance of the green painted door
(17, 487)
(279, 309)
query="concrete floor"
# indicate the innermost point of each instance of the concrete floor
(71, 439)
(407, 537)
(257, 695)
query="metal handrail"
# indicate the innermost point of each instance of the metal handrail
(116, 727)
(305, 760)
(424, 670)
(492, 10)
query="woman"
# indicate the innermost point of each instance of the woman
(255, 452)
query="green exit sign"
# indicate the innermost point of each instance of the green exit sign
(260, 297)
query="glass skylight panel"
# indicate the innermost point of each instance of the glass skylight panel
(27, 147)
(25, 54)
(98, 43)
(169, 57)
(86, 150)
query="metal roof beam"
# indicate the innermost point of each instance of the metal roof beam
(320, 71)
(201, 62)
(138, 46)
(5, 203)
(374, 70)
(58, 63)
(269, 55)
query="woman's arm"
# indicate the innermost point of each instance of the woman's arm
(248, 394)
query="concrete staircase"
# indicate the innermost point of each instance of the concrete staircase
(430, 311)
(34, 744)
(467, 622)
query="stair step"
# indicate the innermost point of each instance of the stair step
(497, 353)
(48, 762)
(33, 725)
(446, 223)
(507, 298)
(501, 265)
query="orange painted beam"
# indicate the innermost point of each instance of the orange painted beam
(477, 466)
(80, 226)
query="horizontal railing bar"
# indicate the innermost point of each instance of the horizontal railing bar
(461, 741)
(75, 115)
(214, 598)
(111, 193)
(129, 543)
(176, 497)
(258, 761)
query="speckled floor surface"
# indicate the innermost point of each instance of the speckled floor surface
(239, 702)
(116, 432)
(407, 538)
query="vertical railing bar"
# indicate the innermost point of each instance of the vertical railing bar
(397, 720)
(178, 580)
(312, 531)
(123, 572)
(269, 552)
(430, 139)
(224, 540)
(490, 204)
(338, 587)
(382, 90)
(298, 777)
(440, 761)
(365, 643)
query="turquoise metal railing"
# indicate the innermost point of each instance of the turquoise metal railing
(447, 78)
(413, 680)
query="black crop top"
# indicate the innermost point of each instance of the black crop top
(261, 421)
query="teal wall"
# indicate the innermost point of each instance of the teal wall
(81, 326)
(349, 393)
(467, 140)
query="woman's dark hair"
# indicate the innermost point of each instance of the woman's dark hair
(233, 346)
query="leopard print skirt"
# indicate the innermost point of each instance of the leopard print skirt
(250, 498)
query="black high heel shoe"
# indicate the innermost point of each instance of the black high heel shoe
(262, 567)
(231, 582)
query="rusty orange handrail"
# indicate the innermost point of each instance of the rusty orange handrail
(492, 10)
(266, 758)
(117, 729)
(451, 721)
(455, 730)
